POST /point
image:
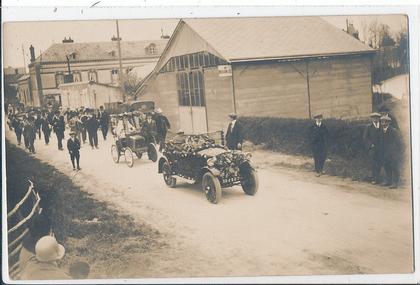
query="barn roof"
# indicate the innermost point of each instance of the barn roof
(275, 37)
(100, 50)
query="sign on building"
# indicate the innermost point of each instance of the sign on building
(225, 70)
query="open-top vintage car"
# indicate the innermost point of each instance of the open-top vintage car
(200, 159)
(130, 141)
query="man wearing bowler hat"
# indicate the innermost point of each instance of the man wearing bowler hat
(318, 135)
(234, 137)
(391, 151)
(73, 146)
(371, 137)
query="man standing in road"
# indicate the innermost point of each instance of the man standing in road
(234, 136)
(371, 137)
(92, 125)
(318, 135)
(103, 118)
(45, 127)
(392, 152)
(17, 127)
(73, 146)
(59, 127)
(148, 129)
(162, 126)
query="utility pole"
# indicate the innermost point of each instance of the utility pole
(120, 75)
(24, 61)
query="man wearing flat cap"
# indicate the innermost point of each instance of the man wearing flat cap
(371, 137)
(73, 146)
(318, 135)
(234, 137)
(392, 152)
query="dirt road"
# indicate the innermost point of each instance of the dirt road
(297, 224)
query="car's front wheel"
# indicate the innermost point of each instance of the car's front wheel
(128, 155)
(250, 182)
(211, 187)
(167, 175)
(115, 153)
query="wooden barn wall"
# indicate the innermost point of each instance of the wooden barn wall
(341, 87)
(271, 89)
(219, 102)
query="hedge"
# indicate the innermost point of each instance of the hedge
(345, 144)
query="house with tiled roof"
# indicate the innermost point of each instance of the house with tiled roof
(292, 67)
(97, 62)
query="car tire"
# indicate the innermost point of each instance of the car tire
(115, 153)
(152, 152)
(129, 159)
(167, 175)
(211, 188)
(250, 184)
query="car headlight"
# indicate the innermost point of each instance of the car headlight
(211, 161)
(248, 155)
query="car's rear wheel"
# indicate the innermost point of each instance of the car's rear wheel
(167, 175)
(152, 152)
(211, 187)
(115, 153)
(250, 182)
(128, 155)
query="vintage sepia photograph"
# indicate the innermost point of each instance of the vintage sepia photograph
(207, 147)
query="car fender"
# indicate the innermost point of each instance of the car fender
(212, 170)
(248, 164)
(162, 160)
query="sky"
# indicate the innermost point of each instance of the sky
(43, 34)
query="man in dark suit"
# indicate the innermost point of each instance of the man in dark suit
(234, 136)
(148, 129)
(162, 126)
(103, 118)
(73, 146)
(17, 125)
(92, 126)
(45, 127)
(391, 151)
(371, 137)
(318, 135)
(59, 127)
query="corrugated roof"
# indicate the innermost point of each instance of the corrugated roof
(274, 37)
(100, 50)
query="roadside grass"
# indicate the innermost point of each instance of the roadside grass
(89, 230)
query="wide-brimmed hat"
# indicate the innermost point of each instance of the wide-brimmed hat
(48, 249)
(375, 114)
(386, 118)
(318, 116)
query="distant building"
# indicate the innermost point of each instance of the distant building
(292, 67)
(96, 61)
(24, 94)
(13, 70)
(88, 94)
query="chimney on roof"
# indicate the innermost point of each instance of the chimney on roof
(32, 51)
(162, 36)
(68, 40)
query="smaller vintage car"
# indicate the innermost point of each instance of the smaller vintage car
(200, 159)
(130, 141)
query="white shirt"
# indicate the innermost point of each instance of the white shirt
(385, 129)
(232, 124)
(376, 125)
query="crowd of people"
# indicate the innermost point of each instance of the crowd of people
(83, 125)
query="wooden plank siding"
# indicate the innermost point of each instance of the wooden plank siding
(270, 89)
(219, 101)
(341, 87)
(164, 92)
